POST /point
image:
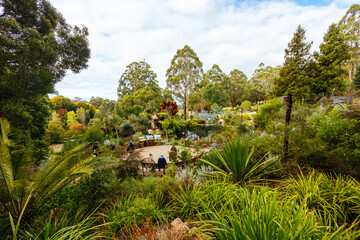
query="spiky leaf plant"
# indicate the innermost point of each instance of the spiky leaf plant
(237, 161)
(19, 176)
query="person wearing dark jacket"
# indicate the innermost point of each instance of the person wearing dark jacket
(131, 146)
(162, 162)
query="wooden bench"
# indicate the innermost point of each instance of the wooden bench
(153, 166)
(145, 166)
(180, 164)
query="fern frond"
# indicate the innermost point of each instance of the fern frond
(5, 130)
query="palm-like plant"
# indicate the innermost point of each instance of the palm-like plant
(237, 161)
(19, 177)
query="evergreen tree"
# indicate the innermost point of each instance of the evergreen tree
(295, 74)
(37, 48)
(356, 79)
(237, 87)
(263, 80)
(350, 26)
(136, 76)
(333, 52)
(214, 75)
(183, 74)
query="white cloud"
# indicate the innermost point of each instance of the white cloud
(228, 33)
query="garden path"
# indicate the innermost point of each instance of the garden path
(157, 151)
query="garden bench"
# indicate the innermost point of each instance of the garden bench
(146, 165)
(180, 164)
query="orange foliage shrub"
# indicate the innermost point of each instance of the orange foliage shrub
(78, 128)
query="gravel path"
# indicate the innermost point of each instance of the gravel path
(158, 150)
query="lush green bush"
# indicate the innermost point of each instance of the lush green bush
(94, 134)
(129, 168)
(138, 187)
(126, 210)
(127, 129)
(335, 199)
(89, 192)
(267, 113)
(262, 214)
(78, 225)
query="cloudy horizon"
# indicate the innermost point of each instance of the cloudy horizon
(233, 34)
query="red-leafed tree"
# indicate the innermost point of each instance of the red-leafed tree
(170, 107)
(61, 112)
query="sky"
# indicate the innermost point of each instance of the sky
(235, 34)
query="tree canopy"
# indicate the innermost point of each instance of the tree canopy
(136, 76)
(37, 48)
(294, 76)
(183, 74)
(350, 27)
(333, 52)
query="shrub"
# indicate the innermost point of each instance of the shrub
(187, 203)
(242, 128)
(121, 142)
(128, 210)
(88, 192)
(267, 113)
(127, 129)
(129, 168)
(259, 213)
(245, 106)
(94, 134)
(236, 159)
(76, 129)
(335, 200)
(138, 187)
(109, 144)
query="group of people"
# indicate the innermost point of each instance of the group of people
(161, 159)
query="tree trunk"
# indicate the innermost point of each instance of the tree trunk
(185, 106)
(355, 63)
(287, 122)
(202, 103)
(349, 71)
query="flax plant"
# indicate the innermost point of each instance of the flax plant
(262, 214)
(336, 200)
(237, 161)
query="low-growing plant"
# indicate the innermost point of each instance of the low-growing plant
(138, 187)
(109, 144)
(187, 203)
(261, 214)
(128, 210)
(336, 200)
(78, 225)
(88, 192)
(236, 160)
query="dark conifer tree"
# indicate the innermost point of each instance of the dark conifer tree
(295, 76)
(333, 53)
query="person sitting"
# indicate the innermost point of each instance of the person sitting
(162, 162)
(173, 148)
(151, 156)
(96, 149)
(152, 160)
(131, 146)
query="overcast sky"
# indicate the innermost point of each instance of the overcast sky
(232, 34)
